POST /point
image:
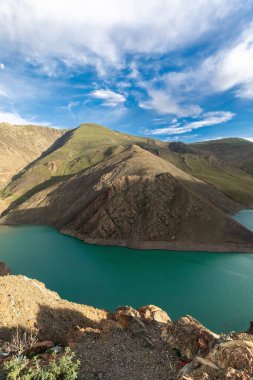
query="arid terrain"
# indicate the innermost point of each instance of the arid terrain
(106, 187)
(131, 344)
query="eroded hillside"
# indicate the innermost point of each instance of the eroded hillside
(106, 187)
(20, 145)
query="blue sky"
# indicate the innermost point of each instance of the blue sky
(170, 69)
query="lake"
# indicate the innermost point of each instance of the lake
(215, 288)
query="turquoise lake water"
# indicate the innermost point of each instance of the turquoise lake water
(215, 288)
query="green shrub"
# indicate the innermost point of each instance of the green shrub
(21, 368)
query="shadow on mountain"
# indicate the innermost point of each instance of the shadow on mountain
(36, 189)
(156, 209)
(61, 325)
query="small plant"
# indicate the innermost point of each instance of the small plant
(21, 341)
(64, 368)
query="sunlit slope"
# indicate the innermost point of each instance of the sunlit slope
(75, 151)
(89, 144)
(20, 145)
(233, 151)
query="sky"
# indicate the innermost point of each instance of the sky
(167, 69)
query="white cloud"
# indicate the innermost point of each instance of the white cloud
(233, 66)
(15, 118)
(228, 69)
(3, 93)
(2, 66)
(109, 97)
(72, 104)
(102, 32)
(209, 119)
(164, 102)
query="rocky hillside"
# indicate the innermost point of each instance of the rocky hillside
(21, 144)
(127, 344)
(106, 187)
(234, 151)
(135, 198)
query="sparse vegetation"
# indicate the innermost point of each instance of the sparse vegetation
(21, 341)
(22, 368)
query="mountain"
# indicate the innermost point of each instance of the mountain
(74, 151)
(112, 188)
(233, 151)
(20, 145)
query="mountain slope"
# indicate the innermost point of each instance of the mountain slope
(236, 183)
(19, 145)
(90, 143)
(75, 151)
(135, 197)
(233, 151)
(108, 187)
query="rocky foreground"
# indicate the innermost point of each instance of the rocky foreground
(127, 344)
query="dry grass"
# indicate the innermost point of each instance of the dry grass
(20, 342)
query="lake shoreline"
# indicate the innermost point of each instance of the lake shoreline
(229, 247)
(108, 276)
(162, 245)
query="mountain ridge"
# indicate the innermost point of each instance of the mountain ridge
(108, 187)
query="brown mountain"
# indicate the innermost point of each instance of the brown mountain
(20, 145)
(102, 187)
(234, 151)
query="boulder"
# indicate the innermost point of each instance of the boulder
(151, 313)
(124, 314)
(4, 270)
(231, 360)
(131, 319)
(41, 347)
(237, 354)
(189, 337)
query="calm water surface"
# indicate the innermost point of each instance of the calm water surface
(215, 288)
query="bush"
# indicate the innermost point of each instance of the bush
(64, 368)
(21, 341)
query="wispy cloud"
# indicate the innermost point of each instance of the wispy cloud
(100, 32)
(72, 105)
(110, 98)
(15, 118)
(209, 119)
(163, 102)
(232, 67)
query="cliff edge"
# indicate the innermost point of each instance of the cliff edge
(126, 344)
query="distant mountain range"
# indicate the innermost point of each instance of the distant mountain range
(107, 187)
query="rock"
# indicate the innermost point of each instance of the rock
(4, 270)
(250, 329)
(131, 319)
(122, 315)
(237, 354)
(189, 337)
(232, 360)
(151, 313)
(109, 324)
(233, 374)
(41, 347)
